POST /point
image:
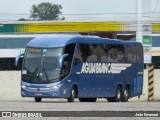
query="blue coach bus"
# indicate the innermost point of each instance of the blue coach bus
(82, 67)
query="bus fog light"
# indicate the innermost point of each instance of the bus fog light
(23, 86)
(64, 91)
(55, 93)
(23, 93)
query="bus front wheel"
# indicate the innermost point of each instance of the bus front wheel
(125, 95)
(72, 96)
(37, 99)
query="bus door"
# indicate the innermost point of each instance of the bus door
(82, 80)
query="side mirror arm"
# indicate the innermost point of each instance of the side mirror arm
(62, 59)
(21, 55)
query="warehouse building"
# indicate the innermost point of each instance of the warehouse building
(15, 36)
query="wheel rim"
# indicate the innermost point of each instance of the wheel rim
(73, 93)
(126, 93)
(119, 94)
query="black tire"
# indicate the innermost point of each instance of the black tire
(125, 95)
(118, 95)
(72, 96)
(83, 99)
(87, 99)
(110, 99)
(37, 99)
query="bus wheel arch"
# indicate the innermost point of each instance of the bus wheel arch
(73, 93)
(126, 93)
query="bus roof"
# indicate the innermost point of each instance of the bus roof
(61, 41)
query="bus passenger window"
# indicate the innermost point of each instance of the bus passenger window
(82, 53)
(120, 52)
(69, 49)
(78, 56)
(104, 54)
(92, 58)
(98, 53)
(112, 53)
(104, 58)
(139, 54)
(128, 53)
(93, 53)
(134, 54)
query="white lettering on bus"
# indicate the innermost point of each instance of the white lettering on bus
(103, 67)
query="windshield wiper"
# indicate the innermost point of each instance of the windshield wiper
(36, 69)
(55, 79)
(45, 73)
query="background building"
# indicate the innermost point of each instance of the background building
(15, 36)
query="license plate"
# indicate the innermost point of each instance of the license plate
(38, 94)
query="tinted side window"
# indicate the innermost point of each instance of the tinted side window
(91, 53)
(139, 54)
(98, 53)
(82, 52)
(69, 49)
(120, 53)
(130, 53)
(112, 53)
(103, 54)
(133, 53)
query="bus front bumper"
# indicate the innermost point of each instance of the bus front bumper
(43, 92)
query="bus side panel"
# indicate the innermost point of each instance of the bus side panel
(130, 77)
(93, 84)
(137, 80)
(96, 85)
(125, 77)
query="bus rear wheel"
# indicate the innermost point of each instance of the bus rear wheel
(72, 96)
(37, 99)
(125, 95)
(117, 97)
(87, 99)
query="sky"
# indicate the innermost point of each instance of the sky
(86, 9)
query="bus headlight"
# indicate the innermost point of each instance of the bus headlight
(24, 86)
(55, 86)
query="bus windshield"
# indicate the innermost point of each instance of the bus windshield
(41, 65)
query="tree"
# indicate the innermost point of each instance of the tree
(46, 11)
(22, 19)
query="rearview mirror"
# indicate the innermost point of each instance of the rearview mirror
(21, 55)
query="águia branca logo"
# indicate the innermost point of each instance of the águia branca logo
(103, 68)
